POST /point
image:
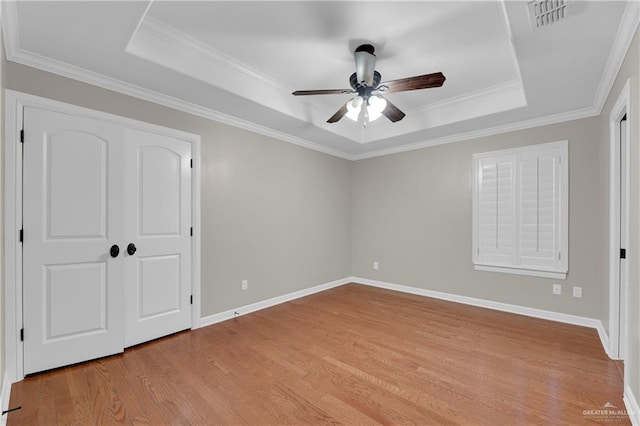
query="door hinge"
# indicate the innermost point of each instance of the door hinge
(191, 299)
(623, 253)
(22, 334)
(22, 135)
(192, 231)
(21, 235)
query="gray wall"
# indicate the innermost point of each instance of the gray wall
(411, 212)
(287, 218)
(273, 213)
(630, 70)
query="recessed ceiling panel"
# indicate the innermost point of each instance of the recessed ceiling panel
(281, 47)
(238, 62)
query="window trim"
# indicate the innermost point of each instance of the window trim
(563, 216)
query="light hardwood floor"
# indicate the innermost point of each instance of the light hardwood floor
(350, 355)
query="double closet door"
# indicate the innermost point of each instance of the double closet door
(107, 238)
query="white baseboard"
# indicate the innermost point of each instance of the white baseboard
(243, 310)
(498, 306)
(631, 403)
(4, 397)
(604, 339)
(483, 303)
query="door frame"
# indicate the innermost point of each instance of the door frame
(15, 102)
(618, 314)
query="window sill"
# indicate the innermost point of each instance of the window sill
(519, 271)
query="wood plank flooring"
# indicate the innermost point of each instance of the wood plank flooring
(350, 355)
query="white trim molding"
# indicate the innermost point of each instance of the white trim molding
(631, 404)
(489, 304)
(12, 222)
(466, 300)
(521, 271)
(617, 312)
(481, 133)
(624, 37)
(253, 307)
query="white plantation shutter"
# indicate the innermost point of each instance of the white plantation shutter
(538, 209)
(520, 210)
(496, 202)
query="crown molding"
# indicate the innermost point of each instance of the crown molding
(85, 76)
(178, 39)
(475, 134)
(9, 19)
(621, 44)
(15, 54)
(161, 44)
(480, 94)
(80, 74)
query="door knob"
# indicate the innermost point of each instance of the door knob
(131, 249)
(115, 250)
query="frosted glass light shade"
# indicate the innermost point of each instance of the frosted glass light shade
(353, 108)
(375, 107)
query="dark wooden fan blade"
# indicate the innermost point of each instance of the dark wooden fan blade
(392, 112)
(413, 83)
(322, 92)
(339, 114)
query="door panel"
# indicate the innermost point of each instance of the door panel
(159, 179)
(87, 195)
(72, 288)
(81, 282)
(158, 199)
(158, 286)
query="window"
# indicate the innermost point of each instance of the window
(520, 210)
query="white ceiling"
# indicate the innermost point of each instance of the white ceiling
(239, 61)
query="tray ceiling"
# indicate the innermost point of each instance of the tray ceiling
(239, 61)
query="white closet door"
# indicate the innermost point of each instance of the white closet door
(72, 287)
(158, 224)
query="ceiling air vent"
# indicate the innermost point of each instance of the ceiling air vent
(546, 12)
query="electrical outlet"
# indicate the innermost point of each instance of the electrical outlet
(245, 284)
(577, 292)
(557, 289)
(376, 265)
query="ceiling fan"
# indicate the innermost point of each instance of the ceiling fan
(366, 82)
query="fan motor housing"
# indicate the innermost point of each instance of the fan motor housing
(353, 81)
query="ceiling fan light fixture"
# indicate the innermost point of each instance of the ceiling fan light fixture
(375, 106)
(366, 81)
(353, 108)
